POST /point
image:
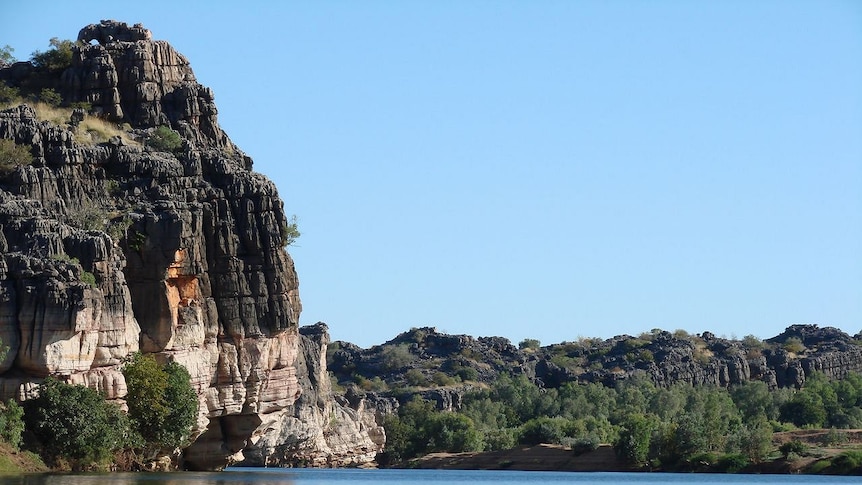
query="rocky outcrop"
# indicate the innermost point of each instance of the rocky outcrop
(319, 431)
(116, 247)
(442, 368)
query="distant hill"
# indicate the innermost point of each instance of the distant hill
(441, 367)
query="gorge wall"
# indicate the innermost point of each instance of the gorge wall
(108, 247)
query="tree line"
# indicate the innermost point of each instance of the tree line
(676, 427)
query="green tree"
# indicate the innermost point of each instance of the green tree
(754, 440)
(163, 406)
(75, 423)
(805, 409)
(633, 444)
(57, 58)
(290, 231)
(452, 432)
(406, 433)
(6, 56)
(544, 429)
(753, 399)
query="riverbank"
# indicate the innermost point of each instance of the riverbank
(14, 461)
(528, 458)
(825, 452)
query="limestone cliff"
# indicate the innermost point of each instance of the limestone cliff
(112, 246)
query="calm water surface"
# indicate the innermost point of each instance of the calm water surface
(267, 476)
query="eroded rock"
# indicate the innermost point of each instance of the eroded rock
(115, 247)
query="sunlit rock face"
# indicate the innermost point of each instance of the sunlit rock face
(114, 247)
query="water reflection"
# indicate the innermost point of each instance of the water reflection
(176, 478)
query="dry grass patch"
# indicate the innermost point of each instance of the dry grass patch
(91, 131)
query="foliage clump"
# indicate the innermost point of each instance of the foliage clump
(75, 424)
(164, 139)
(11, 423)
(13, 155)
(6, 56)
(162, 404)
(290, 231)
(57, 58)
(418, 429)
(8, 93)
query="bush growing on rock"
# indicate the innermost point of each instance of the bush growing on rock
(13, 155)
(164, 139)
(290, 231)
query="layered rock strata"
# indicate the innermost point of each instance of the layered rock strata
(116, 247)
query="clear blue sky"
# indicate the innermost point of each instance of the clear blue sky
(547, 169)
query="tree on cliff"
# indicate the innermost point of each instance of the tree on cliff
(163, 406)
(57, 58)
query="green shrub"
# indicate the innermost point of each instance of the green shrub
(467, 374)
(732, 463)
(585, 445)
(499, 439)
(847, 463)
(50, 97)
(396, 357)
(375, 384)
(9, 93)
(13, 155)
(164, 139)
(529, 344)
(542, 430)
(804, 409)
(88, 278)
(794, 446)
(793, 344)
(416, 378)
(453, 432)
(819, 466)
(88, 215)
(834, 437)
(703, 460)
(442, 379)
(646, 355)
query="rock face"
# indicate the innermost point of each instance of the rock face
(111, 248)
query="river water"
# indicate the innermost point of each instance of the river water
(282, 476)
